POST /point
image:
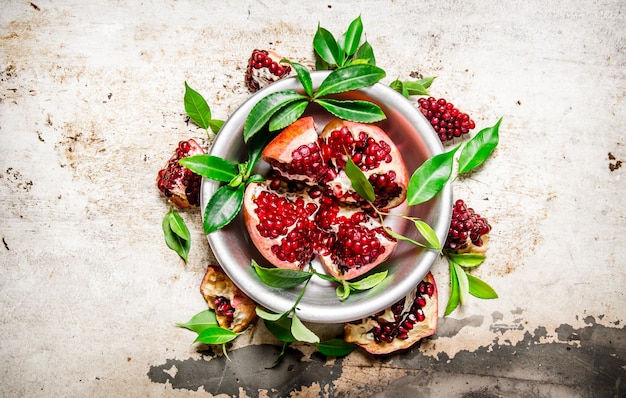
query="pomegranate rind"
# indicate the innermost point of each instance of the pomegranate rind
(216, 283)
(169, 180)
(360, 333)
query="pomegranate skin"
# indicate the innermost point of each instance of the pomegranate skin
(401, 325)
(233, 309)
(264, 68)
(180, 185)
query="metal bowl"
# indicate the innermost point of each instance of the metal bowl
(408, 265)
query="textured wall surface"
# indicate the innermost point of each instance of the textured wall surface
(91, 108)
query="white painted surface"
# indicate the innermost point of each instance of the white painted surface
(91, 107)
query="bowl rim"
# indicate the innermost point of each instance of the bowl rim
(344, 311)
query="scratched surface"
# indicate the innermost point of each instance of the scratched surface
(91, 107)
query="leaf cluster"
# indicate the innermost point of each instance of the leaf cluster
(287, 326)
(280, 109)
(462, 283)
(348, 49)
(209, 332)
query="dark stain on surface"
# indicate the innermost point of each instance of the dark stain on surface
(586, 362)
(247, 371)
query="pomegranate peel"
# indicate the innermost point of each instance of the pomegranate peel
(233, 309)
(400, 326)
(179, 184)
(264, 68)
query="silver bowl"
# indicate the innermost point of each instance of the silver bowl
(408, 265)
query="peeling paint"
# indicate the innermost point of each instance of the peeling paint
(529, 368)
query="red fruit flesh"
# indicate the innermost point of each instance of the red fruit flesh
(468, 231)
(264, 68)
(233, 309)
(401, 325)
(290, 227)
(447, 121)
(179, 184)
(308, 208)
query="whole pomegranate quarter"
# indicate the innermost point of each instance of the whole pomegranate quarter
(307, 207)
(233, 309)
(179, 184)
(401, 325)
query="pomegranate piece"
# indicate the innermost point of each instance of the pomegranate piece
(179, 184)
(297, 153)
(447, 121)
(468, 232)
(401, 325)
(233, 309)
(291, 226)
(307, 207)
(264, 68)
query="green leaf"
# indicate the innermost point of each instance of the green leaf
(304, 76)
(455, 293)
(281, 329)
(215, 125)
(428, 233)
(430, 178)
(287, 115)
(301, 332)
(211, 167)
(176, 234)
(335, 347)
(263, 111)
(223, 207)
(196, 107)
(467, 260)
(353, 110)
(359, 181)
(426, 82)
(399, 87)
(479, 288)
(366, 53)
(177, 225)
(351, 77)
(215, 335)
(461, 276)
(326, 47)
(200, 321)
(281, 277)
(369, 281)
(478, 149)
(353, 36)
(415, 88)
(398, 236)
(255, 149)
(280, 356)
(268, 316)
(343, 290)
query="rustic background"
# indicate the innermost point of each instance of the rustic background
(91, 107)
